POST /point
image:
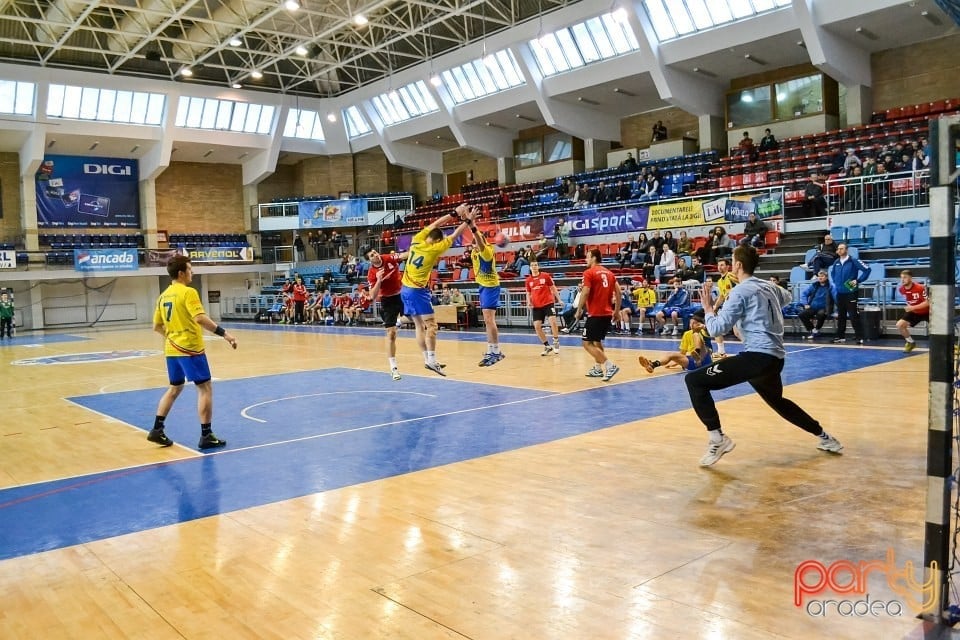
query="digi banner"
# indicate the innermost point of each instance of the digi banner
(333, 213)
(218, 254)
(8, 259)
(80, 191)
(105, 260)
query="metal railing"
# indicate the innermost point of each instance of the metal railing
(906, 189)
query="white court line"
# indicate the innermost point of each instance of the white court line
(243, 412)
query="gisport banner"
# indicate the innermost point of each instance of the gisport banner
(333, 213)
(79, 191)
(218, 254)
(105, 260)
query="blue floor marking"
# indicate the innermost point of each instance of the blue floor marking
(66, 512)
(52, 338)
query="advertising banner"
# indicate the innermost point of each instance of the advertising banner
(80, 191)
(8, 259)
(591, 222)
(513, 230)
(738, 208)
(159, 257)
(333, 213)
(678, 214)
(218, 254)
(105, 260)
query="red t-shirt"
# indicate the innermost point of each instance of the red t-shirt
(600, 301)
(392, 277)
(299, 293)
(540, 288)
(915, 295)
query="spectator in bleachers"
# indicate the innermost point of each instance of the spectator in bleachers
(817, 301)
(437, 197)
(650, 261)
(650, 189)
(851, 160)
(622, 190)
(668, 264)
(669, 240)
(312, 241)
(694, 272)
(920, 161)
(625, 253)
(768, 142)
(684, 244)
(567, 188)
(644, 247)
(584, 196)
(629, 163)
(879, 192)
(853, 190)
(754, 231)
(814, 200)
(602, 194)
(917, 309)
(721, 245)
(825, 256)
(659, 132)
(869, 166)
(541, 248)
(561, 238)
(676, 304)
(746, 148)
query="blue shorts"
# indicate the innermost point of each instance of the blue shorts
(192, 368)
(416, 301)
(632, 307)
(692, 363)
(669, 311)
(489, 297)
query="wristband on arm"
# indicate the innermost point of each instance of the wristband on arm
(219, 331)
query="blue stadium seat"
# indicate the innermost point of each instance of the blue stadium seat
(921, 237)
(839, 233)
(901, 238)
(881, 240)
(797, 275)
(855, 234)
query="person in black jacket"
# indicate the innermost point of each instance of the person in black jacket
(754, 231)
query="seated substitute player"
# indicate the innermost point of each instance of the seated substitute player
(541, 294)
(916, 311)
(695, 348)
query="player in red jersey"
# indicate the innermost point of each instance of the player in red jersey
(601, 296)
(917, 309)
(541, 294)
(385, 280)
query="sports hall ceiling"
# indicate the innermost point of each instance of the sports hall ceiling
(157, 38)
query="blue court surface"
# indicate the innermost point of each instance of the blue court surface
(296, 434)
(35, 340)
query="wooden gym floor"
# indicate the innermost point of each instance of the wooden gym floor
(522, 500)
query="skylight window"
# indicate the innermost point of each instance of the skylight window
(485, 76)
(16, 97)
(224, 115)
(356, 124)
(105, 105)
(596, 39)
(404, 103)
(675, 18)
(303, 124)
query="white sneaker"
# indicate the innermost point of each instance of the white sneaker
(676, 330)
(395, 374)
(716, 450)
(830, 444)
(547, 350)
(436, 367)
(611, 371)
(556, 347)
(596, 372)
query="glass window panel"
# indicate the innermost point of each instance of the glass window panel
(292, 127)
(556, 147)
(799, 97)
(552, 47)
(473, 80)
(498, 74)
(763, 5)
(465, 85)
(155, 109)
(253, 118)
(680, 16)
(121, 104)
(8, 95)
(55, 100)
(183, 105)
(749, 107)
(616, 34)
(24, 102)
(426, 98)
(239, 116)
(660, 19)
(510, 69)
(209, 118)
(382, 110)
(266, 119)
(453, 87)
(195, 112)
(88, 103)
(393, 114)
(543, 58)
(741, 9)
(138, 110)
(701, 16)
(527, 153)
(108, 100)
(490, 75)
(396, 103)
(71, 102)
(412, 103)
(719, 11)
(569, 48)
(356, 124)
(585, 43)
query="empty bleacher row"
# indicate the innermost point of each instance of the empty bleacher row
(391, 194)
(207, 240)
(61, 241)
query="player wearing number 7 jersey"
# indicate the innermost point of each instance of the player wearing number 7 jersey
(179, 318)
(424, 253)
(757, 306)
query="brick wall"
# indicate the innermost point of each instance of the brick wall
(484, 167)
(921, 72)
(281, 183)
(10, 227)
(199, 197)
(416, 183)
(635, 130)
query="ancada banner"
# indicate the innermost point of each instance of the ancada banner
(81, 191)
(105, 260)
(333, 213)
(218, 254)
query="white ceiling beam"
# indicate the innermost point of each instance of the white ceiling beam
(838, 58)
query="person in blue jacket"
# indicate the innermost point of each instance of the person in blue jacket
(846, 274)
(817, 301)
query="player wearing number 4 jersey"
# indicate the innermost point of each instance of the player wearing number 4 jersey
(601, 296)
(756, 305)
(425, 250)
(179, 317)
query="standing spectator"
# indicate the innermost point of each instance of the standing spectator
(426, 247)
(312, 241)
(299, 299)
(385, 281)
(561, 236)
(817, 300)
(299, 248)
(814, 200)
(917, 309)
(6, 315)
(659, 132)
(601, 297)
(541, 294)
(756, 306)
(179, 317)
(768, 142)
(846, 274)
(754, 231)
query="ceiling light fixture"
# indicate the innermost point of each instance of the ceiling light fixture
(242, 155)
(932, 19)
(51, 143)
(624, 92)
(520, 116)
(255, 74)
(235, 41)
(435, 80)
(134, 149)
(866, 33)
(236, 85)
(208, 153)
(360, 20)
(586, 100)
(94, 145)
(802, 44)
(754, 59)
(331, 117)
(301, 50)
(291, 5)
(186, 72)
(704, 72)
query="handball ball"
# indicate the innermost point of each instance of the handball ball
(501, 240)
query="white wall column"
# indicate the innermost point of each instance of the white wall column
(505, 171)
(859, 104)
(713, 134)
(595, 153)
(148, 212)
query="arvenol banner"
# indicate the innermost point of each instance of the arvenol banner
(80, 191)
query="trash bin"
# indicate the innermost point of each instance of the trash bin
(870, 323)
